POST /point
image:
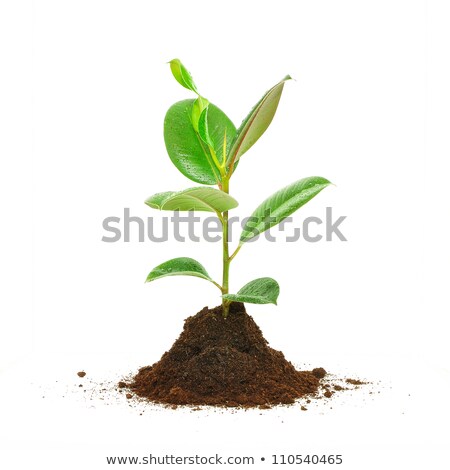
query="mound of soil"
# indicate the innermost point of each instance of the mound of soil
(224, 362)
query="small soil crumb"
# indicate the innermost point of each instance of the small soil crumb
(355, 382)
(121, 384)
(319, 372)
(303, 408)
(81, 374)
(80, 385)
(224, 362)
(339, 388)
(128, 395)
(328, 394)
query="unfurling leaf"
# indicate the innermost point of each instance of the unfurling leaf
(281, 205)
(184, 146)
(198, 199)
(182, 75)
(219, 125)
(257, 121)
(264, 290)
(179, 267)
(203, 130)
(197, 108)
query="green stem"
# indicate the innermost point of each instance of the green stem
(217, 285)
(226, 256)
(216, 161)
(236, 251)
(208, 158)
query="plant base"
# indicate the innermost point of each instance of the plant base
(224, 362)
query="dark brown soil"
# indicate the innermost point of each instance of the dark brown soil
(355, 382)
(223, 362)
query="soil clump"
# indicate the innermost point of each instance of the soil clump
(223, 362)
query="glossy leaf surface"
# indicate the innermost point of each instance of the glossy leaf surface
(198, 199)
(185, 147)
(197, 108)
(264, 290)
(182, 75)
(203, 129)
(179, 267)
(257, 121)
(281, 205)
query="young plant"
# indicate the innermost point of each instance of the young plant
(206, 147)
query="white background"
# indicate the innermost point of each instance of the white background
(85, 87)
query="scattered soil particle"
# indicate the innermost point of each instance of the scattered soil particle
(328, 394)
(128, 395)
(303, 408)
(339, 388)
(81, 374)
(121, 384)
(224, 362)
(355, 382)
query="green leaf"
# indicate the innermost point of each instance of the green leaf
(203, 130)
(182, 75)
(281, 205)
(184, 146)
(197, 108)
(264, 290)
(156, 201)
(257, 121)
(199, 199)
(218, 124)
(179, 267)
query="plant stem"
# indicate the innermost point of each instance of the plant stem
(236, 251)
(226, 256)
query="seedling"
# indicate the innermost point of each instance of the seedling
(206, 147)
